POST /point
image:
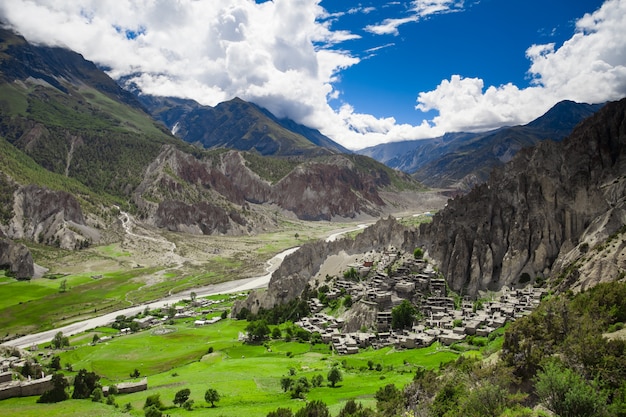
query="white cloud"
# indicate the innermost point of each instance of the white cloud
(283, 55)
(390, 26)
(419, 9)
(590, 67)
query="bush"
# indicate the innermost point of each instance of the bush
(97, 395)
(153, 401)
(566, 393)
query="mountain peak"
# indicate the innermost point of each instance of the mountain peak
(241, 125)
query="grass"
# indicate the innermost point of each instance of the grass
(42, 306)
(246, 376)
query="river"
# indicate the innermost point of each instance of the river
(229, 287)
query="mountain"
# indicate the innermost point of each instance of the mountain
(539, 215)
(237, 124)
(75, 149)
(461, 160)
(555, 216)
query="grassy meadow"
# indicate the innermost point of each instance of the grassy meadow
(125, 278)
(178, 355)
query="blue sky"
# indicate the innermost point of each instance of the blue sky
(485, 39)
(362, 72)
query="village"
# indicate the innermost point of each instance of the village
(377, 285)
(380, 288)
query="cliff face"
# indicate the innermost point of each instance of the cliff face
(535, 209)
(52, 217)
(17, 258)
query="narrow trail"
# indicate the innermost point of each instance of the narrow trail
(172, 257)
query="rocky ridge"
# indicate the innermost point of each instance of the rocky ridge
(217, 194)
(548, 201)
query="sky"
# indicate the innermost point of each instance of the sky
(362, 72)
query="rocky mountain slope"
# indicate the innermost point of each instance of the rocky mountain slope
(226, 187)
(555, 212)
(76, 148)
(237, 124)
(462, 160)
(549, 203)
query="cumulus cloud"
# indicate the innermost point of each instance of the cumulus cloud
(589, 67)
(285, 55)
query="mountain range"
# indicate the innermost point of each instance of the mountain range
(237, 124)
(461, 160)
(77, 148)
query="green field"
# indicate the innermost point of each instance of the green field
(246, 376)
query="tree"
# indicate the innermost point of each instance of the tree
(153, 400)
(276, 333)
(59, 341)
(55, 363)
(354, 409)
(135, 373)
(193, 296)
(418, 253)
(334, 376)
(182, 396)
(315, 408)
(63, 286)
(351, 274)
(347, 301)
(188, 405)
(84, 384)
(370, 365)
(286, 383)
(58, 392)
(317, 380)
(389, 401)
(402, 315)
(211, 396)
(98, 395)
(280, 412)
(257, 330)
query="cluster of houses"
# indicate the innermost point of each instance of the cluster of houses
(180, 312)
(382, 288)
(12, 386)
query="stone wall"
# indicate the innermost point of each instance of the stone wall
(25, 388)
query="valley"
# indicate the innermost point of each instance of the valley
(170, 249)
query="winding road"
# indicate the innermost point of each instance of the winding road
(229, 287)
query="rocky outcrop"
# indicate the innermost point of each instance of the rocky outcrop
(51, 217)
(16, 258)
(317, 191)
(198, 218)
